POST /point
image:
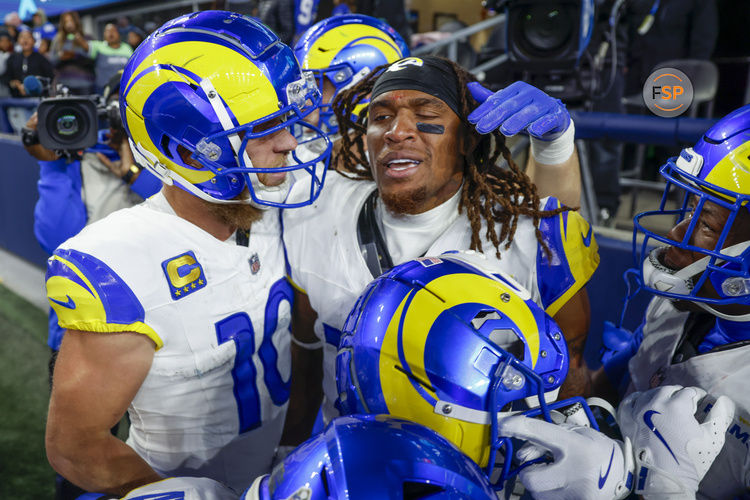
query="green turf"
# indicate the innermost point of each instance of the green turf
(24, 471)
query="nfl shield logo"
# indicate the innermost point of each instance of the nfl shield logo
(254, 263)
(657, 378)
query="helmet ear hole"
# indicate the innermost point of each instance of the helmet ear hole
(414, 490)
(164, 143)
(484, 316)
(508, 341)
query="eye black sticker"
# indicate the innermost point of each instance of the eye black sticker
(430, 128)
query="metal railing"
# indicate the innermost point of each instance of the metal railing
(461, 35)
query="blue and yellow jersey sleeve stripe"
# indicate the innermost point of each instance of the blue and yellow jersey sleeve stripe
(573, 258)
(89, 296)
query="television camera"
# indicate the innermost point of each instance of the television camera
(548, 45)
(68, 124)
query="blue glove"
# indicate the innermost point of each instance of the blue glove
(517, 107)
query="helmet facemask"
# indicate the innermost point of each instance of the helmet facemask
(721, 276)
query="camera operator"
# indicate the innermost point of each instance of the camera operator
(73, 194)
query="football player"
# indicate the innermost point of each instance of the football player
(696, 330)
(177, 309)
(430, 183)
(341, 51)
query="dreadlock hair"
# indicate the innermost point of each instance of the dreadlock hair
(489, 191)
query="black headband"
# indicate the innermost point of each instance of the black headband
(429, 74)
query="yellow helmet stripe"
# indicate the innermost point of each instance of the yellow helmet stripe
(245, 92)
(733, 171)
(326, 47)
(400, 395)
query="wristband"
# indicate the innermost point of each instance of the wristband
(308, 346)
(555, 151)
(131, 174)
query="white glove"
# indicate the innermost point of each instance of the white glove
(189, 488)
(586, 464)
(673, 450)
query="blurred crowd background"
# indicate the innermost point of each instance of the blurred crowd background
(81, 49)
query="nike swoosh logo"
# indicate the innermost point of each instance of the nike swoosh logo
(647, 418)
(603, 479)
(69, 304)
(587, 238)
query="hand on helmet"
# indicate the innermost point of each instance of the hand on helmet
(586, 464)
(673, 450)
(518, 107)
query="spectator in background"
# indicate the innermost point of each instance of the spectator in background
(279, 15)
(70, 55)
(135, 36)
(289, 19)
(42, 30)
(6, 49)
(246, 7)
(44, 47)
(392, 12)
(124, 26)
(12, 24)
(110, 56)
(24, 63)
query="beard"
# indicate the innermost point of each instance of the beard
(239, 215)
(404, 202)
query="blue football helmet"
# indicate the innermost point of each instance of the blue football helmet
(441, 342)
(373, 457)
(345, 49)
(210, 82)
(716, 171)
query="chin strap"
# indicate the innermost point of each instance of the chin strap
(659, 277)
(682, 281)
(169, 177)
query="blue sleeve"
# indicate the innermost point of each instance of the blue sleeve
(146, 184)
(60, 212)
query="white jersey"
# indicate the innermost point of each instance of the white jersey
(182, 488)
(720, 372)
(214, 401)
(327, 264)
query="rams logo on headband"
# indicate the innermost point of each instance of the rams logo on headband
(403, 63)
